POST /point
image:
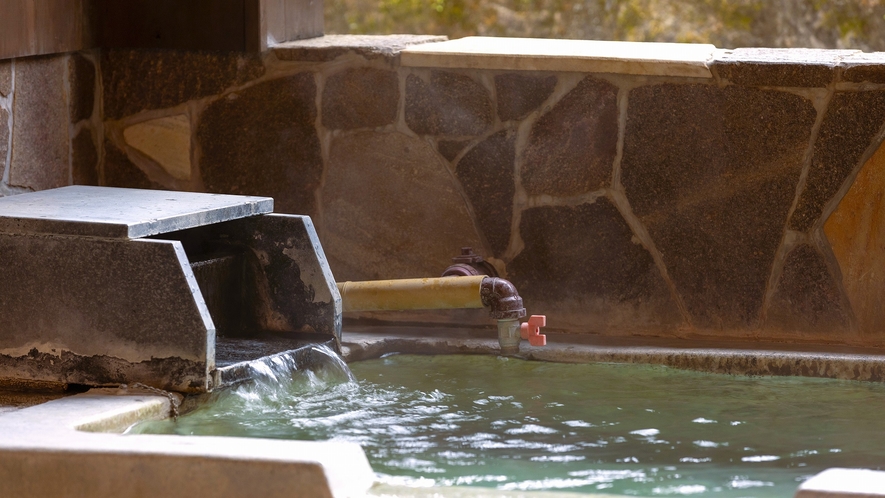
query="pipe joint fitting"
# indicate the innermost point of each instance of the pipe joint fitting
(469, 264)
(502, 298)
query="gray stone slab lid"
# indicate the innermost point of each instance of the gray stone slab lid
(121, 212)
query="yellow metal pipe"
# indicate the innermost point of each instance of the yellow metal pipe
(412, 294)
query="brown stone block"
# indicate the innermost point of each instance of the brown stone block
(451, 148)
(40, 148)
(682, 140)
(84, 159)
(391, 209)
(851, 122)
(783, 67)
(807, 299)
(856, 232)
(139, 80)
(451, 104)
(361, 97)
(571, 149)
(4, 138)
(119, 171)
(263, 141)
(719, 252)
(864, 67)
(81, 75)
(584, 260)
(486, 174)
(712, 173)
(5, 78)
(519, 94)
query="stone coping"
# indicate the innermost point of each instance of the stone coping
(838, 483)
(784, 67)
(121, 212)
(389, 491)
(49, 440)
(592, 56)
(328, 47)
(724, 357)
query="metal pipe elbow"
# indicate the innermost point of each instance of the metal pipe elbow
(502, 298)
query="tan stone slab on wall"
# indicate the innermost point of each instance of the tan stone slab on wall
(591, 56)
(167, 141)
(856, 231)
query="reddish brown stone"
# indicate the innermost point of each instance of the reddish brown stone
(119, 171)
(781, 67)
(586, 258)
(572, 147)
(84, 159)
(712, 173)
(361, 97)
(391, 208)
(263, 141)
(451, 148)
(486, 174)
(5, 78)
(138, 80)
(807, 298)
(851, 122)
(81, 75)
(40, 142)
(451, 104)
(519, 94)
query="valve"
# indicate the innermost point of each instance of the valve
(469, 264)
(531, 330)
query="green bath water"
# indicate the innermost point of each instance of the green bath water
(519, 425)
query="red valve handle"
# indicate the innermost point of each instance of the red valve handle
(531, 330)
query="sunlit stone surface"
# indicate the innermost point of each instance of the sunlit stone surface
(165, 140)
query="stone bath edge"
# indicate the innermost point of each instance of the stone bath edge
(723, 357)
(86, 427)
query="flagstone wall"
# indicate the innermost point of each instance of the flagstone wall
(743, 205)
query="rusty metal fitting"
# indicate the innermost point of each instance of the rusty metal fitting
(502, 298)
(469, 264)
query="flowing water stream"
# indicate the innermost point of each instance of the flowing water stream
(511, 424)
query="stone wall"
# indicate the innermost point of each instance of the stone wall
(745, 205)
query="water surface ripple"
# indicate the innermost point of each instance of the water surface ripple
(517, 425)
